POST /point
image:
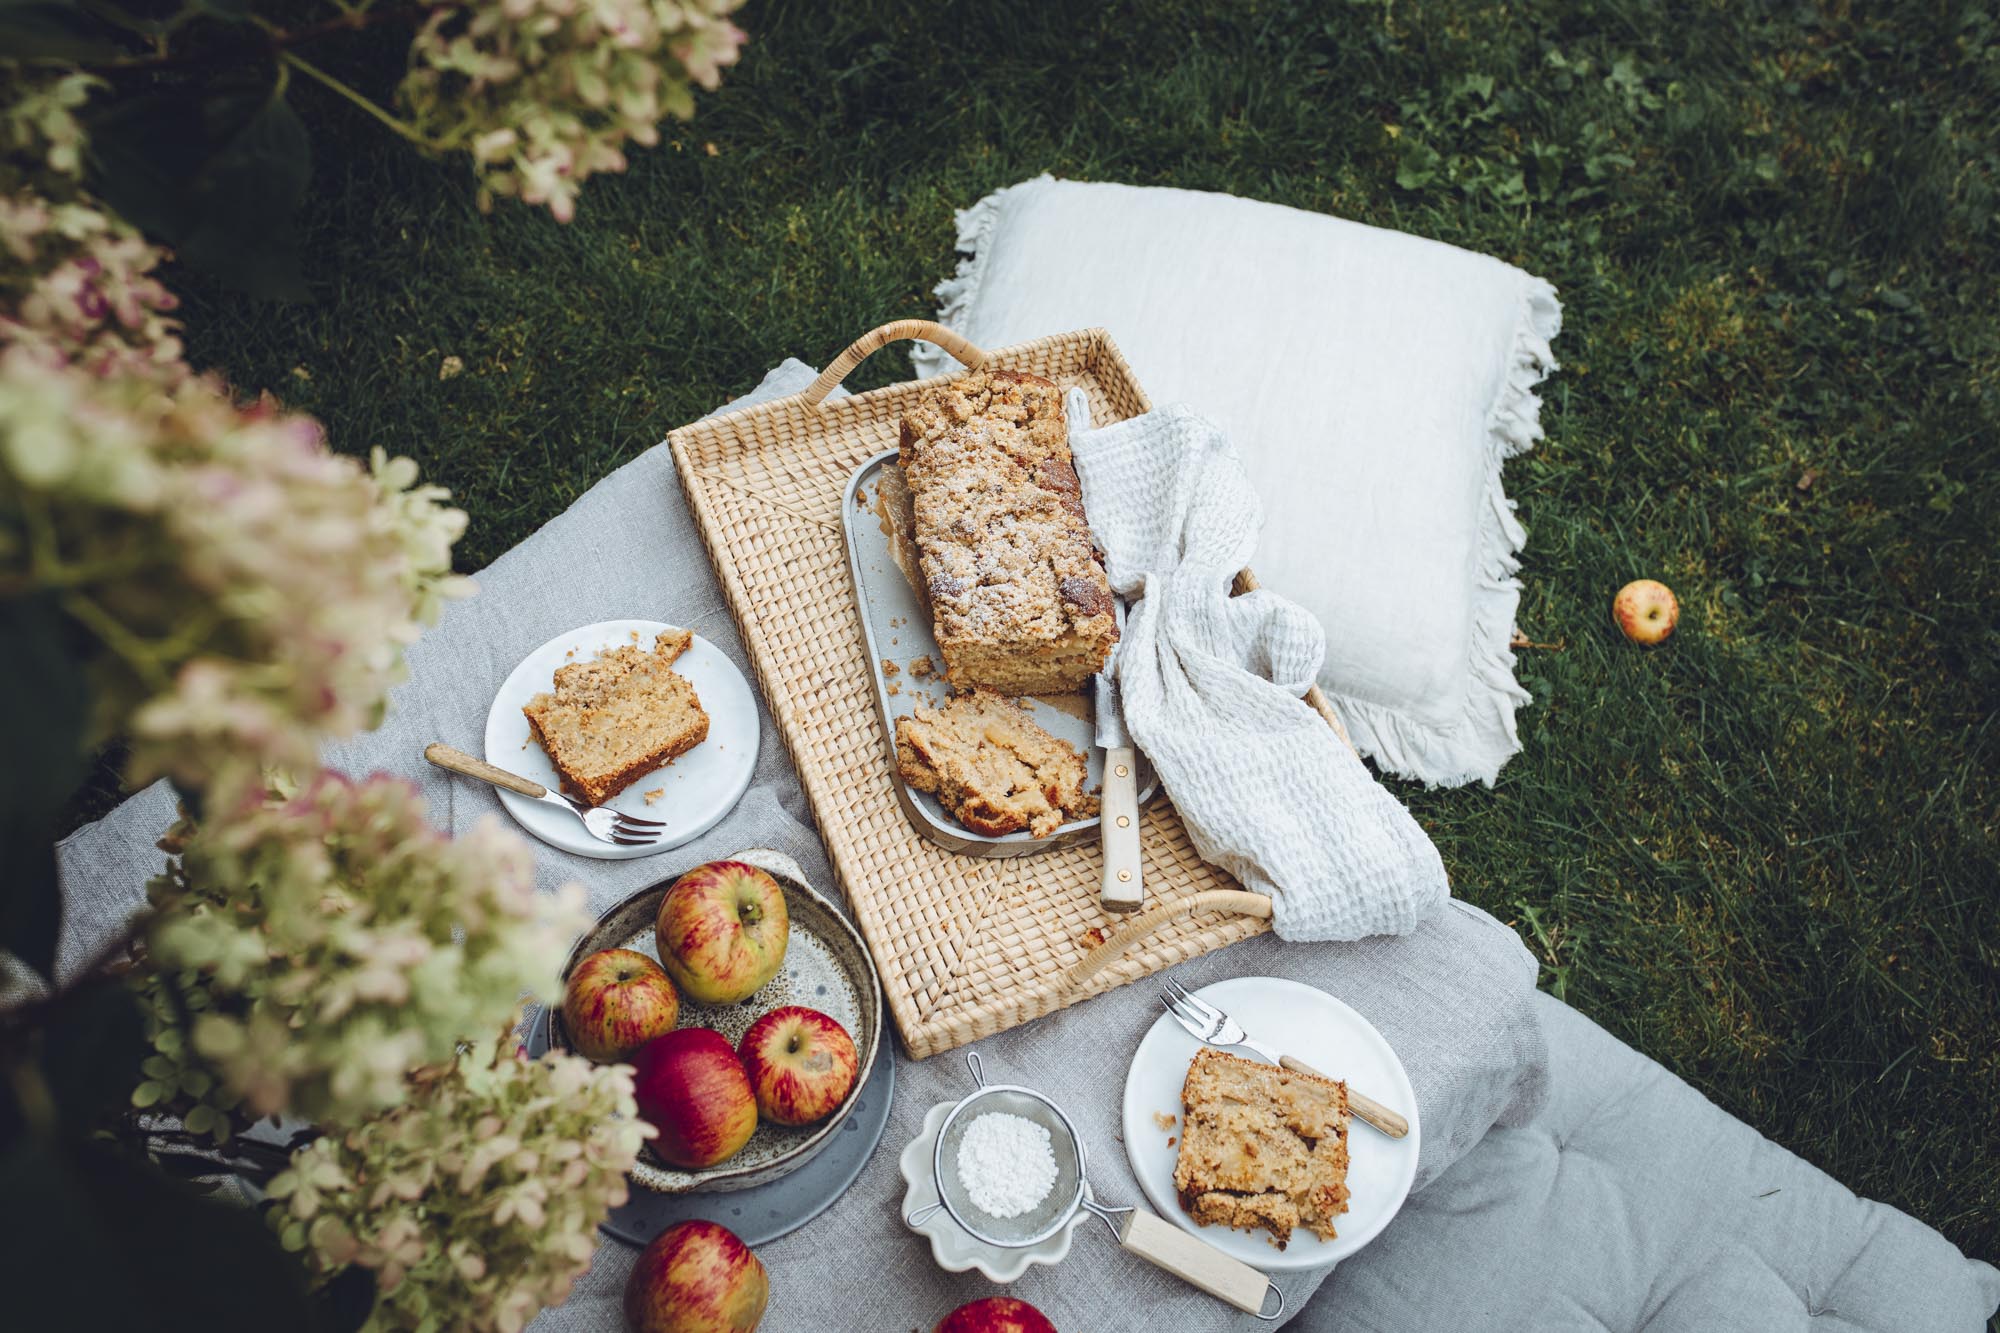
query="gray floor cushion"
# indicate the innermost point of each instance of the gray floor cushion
(1633, 1202)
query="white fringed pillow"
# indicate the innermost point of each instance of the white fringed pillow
(1374, 382)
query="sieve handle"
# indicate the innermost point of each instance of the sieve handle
(1165, 1246)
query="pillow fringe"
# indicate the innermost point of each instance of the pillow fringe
(1486, 736)
(958, 294)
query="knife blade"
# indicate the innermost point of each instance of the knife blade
(1124, 887)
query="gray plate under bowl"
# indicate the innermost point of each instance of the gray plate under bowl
(826, 968)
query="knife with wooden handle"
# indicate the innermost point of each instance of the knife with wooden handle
(1124, 888)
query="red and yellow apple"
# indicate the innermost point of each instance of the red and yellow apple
(996, 1314)
(696, 1277)
(692, 1089)
(1646, 610)
(722, 930)
(801, 1064)
(616, 1001)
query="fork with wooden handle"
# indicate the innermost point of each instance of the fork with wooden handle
(1212, 1026)
(599, 821)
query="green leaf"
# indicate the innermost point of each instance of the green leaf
(250, 194)
(92, 1043)
(44, 712)
(1418, 165)
(54, 30)
(215, 171)
(175, 1259)
(347, 1301)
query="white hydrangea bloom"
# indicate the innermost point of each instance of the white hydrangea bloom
(479, 1198)
(307, 953)
(546, 93)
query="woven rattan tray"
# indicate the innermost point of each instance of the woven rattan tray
(966, 946)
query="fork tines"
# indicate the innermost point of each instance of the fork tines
(1197, 1015)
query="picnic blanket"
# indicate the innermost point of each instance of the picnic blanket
(1453, 997)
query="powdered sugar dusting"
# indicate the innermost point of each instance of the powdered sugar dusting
(1006, 1164)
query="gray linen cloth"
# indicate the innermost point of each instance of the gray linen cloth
(1453, 997)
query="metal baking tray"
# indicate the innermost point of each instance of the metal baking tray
(896, 631)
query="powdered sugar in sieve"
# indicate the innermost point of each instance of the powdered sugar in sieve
(1006, 1164)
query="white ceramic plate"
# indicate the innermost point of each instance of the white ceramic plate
(1318, 1029)
(701, 786)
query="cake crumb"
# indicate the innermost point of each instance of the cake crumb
(922, 668)
(889, 667)
(654, 795)
(1164, 1120)
(861, 496)
(895, 688)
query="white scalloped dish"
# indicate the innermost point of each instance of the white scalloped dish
(952, 1248)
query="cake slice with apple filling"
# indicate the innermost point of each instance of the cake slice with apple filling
(1262, 1147)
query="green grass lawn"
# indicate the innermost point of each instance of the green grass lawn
(1766, 853)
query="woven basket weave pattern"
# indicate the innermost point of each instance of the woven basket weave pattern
(966, 946)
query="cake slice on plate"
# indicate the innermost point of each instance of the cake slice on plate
(614, 719)
(1262, 1147)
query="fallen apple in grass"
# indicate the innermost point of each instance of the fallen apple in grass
(692, 1089)
(996, 1314)
(696, 1277)
(722, 930)
(801, 1063)
(1646, 610)
(616, 1001)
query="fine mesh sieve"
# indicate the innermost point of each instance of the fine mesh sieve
(1158, 1242)
(1052, 1213)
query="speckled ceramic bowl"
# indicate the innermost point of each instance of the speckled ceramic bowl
(826, 968)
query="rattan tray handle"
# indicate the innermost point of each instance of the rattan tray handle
(1223, 900)
(876, 339)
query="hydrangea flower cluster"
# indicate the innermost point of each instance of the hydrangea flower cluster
(306, 954)
(545, 93)
(477, 1202)
(40, 123)
(80, 287)
(250, 590)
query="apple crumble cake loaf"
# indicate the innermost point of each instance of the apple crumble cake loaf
(1018, 595)
(1262, 1147)
(616, 718)
(992, 766)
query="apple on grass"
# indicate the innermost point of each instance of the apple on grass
(722, 930)
(1646, 611)
(996, 1314)
(616, 1001)
(692, 1089)
(801, 1062)
(696, 1277)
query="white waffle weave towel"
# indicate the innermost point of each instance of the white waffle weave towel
(1213, 688)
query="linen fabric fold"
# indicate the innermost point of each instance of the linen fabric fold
(1213, 686)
